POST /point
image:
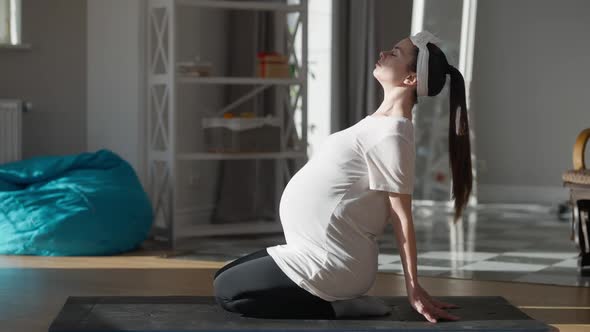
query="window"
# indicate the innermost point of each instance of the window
(320, 68)
(319, 60)
(10, 22)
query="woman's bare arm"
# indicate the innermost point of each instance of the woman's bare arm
(403, 225)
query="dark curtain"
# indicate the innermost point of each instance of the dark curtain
(246, 188)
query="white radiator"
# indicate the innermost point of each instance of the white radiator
(11, 113)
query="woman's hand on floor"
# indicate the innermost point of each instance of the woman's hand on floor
(437, 303)
(428, 307)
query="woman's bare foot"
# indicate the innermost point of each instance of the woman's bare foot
(363, 306)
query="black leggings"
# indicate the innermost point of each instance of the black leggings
(255, 286)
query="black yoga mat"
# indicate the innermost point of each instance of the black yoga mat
(198, 314)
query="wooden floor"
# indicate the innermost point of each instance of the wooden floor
(33, 289)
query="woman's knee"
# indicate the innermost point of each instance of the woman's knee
(226, 292)
(229, 296)
(221, 287)
(222, 295)
(225, 303)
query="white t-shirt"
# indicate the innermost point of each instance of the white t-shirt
(335, 206)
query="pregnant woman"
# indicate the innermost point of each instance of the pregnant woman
(334, 208)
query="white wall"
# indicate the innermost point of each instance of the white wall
(115, 72)
(52, 75)
(530, 92)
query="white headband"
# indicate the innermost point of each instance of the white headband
(420, 40)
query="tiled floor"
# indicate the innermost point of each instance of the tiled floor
(521, 243)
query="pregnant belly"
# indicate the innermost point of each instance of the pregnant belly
(313, 192)
(303, 195)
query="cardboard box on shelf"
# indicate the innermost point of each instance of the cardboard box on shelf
(272, 65)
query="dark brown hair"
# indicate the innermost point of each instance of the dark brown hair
(459, 145)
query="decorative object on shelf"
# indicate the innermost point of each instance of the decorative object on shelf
(246, 133)
(273, 65)
(195, 68)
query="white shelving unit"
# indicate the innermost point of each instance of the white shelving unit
(163, 116)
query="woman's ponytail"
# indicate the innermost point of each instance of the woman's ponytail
(459, 145)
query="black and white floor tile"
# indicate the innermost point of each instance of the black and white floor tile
(519, 243)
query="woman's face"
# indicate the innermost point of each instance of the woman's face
(392, 68)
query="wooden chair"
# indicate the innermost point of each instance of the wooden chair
(578, 182)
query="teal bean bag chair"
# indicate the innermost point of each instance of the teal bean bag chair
(86, 204)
